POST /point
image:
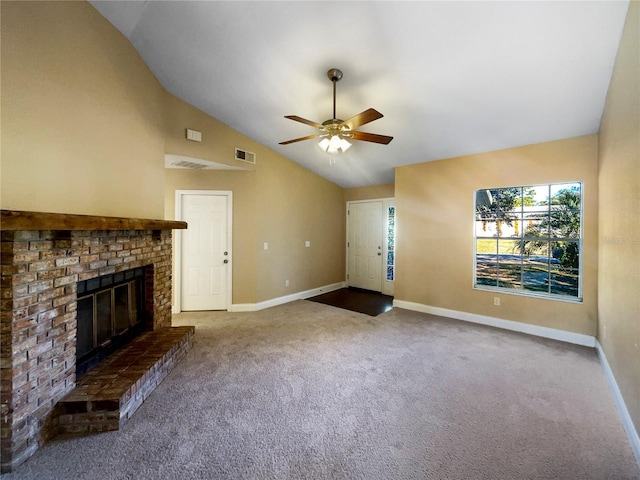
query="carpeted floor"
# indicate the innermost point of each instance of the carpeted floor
(307, 391)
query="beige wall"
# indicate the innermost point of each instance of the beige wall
(372, 192)
(218, 140)
(619, 238)
(277, 202)
(295, 205)
(82, 115)
(435, 207)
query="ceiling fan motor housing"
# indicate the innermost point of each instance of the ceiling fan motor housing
(334, 74)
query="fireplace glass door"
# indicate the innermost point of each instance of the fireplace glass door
(110, 313)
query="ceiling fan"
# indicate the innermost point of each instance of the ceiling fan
(335, 132)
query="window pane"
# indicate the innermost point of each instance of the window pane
(528, 238)
(564, 222)
(516, 228)
(565, 267)
(390, 273)
(487, 246)
(487, 270)
(487, 262)
(557, 189)
(485, 199)
(564, 281)
(532, 248)
(535, 222)
(486, 213)
(509, 202)
(566, 203)
(509, 264)
(535, 274)
(539, 195)
(486, 226)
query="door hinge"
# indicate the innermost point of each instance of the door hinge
(347, 276)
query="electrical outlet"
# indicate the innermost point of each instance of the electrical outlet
(496, 301)
(286, 283)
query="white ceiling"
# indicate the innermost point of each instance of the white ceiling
(450, 77)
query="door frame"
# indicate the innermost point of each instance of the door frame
(387, 286)
(177, 264)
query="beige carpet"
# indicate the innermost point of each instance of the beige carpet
(309, 391)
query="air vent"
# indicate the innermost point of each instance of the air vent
(245, 156)
(185, 164)
(181, 161)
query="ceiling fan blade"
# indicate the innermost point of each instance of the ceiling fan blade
(362, 118)
(371, 137)
(308, 137)
(304, 120)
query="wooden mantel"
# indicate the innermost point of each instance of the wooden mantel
(13, 220)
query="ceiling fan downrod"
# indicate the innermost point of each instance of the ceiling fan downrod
(334, 74)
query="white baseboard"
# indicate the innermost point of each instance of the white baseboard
(627, 423)
(546, 332)
(254, 307)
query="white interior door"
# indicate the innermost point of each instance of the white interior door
(205, 253)
(364, 245)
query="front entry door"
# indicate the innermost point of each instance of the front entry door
(365, 245)
(205, 252)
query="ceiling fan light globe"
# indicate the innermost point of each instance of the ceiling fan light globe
(335, 143)
(324, 144)
(344, 145)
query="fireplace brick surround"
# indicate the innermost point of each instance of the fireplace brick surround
(43, 256)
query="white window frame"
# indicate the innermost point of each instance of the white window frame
(521, 290)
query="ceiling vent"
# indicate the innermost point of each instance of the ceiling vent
(245, 156)
(185, 164)
(181, 161)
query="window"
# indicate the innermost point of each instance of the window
(391, 243)
(528, 240)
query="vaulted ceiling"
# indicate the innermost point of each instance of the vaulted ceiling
(451, 78)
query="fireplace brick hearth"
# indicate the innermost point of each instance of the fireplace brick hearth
(43, 256)
(108, 395)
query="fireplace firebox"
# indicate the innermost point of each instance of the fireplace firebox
(111, 312)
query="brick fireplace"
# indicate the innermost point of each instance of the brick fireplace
(44, 256)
